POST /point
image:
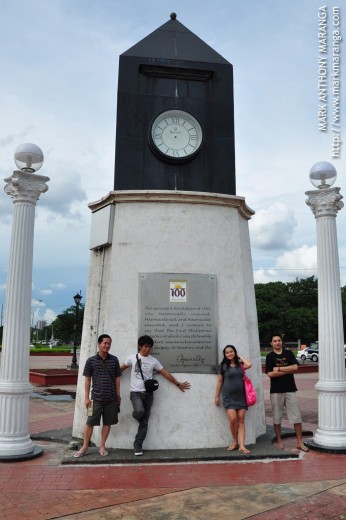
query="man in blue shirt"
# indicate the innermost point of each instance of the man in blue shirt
(102, 371)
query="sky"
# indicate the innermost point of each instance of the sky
(58, 89)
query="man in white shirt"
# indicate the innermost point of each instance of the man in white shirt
(140, 398)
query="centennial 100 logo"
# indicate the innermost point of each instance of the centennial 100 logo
(177, 291)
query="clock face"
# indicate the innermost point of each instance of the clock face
(176, 135)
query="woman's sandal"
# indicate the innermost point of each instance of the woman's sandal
(233, 447)
(244, 450)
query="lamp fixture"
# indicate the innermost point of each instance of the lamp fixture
(28, 157)
(322, 175)
(77, 298)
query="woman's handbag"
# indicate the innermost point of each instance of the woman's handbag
(150, 385)
(250, 392)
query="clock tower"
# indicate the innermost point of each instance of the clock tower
(170, 247)
(175, 117)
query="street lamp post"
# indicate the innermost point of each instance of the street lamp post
(77, 299)
(25, 188)
(325, 202)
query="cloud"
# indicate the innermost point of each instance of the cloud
(49, 316)
(299, 263)
(37, 303)
(58, 285)
(304, 257)
(273, 228)
(46, 291)
(65, 194)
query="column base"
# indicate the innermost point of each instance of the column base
(37, 451)
(332, 438)
(310, 443)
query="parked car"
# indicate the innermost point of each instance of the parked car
(312, 353)
(308, 353)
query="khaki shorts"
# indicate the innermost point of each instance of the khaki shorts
(108, 412)
(289, 401)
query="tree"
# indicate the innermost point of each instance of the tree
(303, 292)
(291, 309)
(302, 323)
(65, 323)
(271, 300)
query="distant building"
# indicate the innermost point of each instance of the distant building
(40, 324)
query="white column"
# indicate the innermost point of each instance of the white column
(15, 390)
(331, 386)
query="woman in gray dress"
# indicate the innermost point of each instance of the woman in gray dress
(230, 382)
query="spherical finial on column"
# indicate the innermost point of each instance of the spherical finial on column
(28, 157)
(322, 175)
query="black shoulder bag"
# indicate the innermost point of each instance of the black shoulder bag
(150, 385)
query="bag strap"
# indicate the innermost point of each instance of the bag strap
(139, 366)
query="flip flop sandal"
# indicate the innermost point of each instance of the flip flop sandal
(103, 453)
(79, 454)
(246, 451)
(233, 449)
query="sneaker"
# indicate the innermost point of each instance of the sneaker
(138, 452)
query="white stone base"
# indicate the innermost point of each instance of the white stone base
(14, 419)
(173, 232)
(331, 431)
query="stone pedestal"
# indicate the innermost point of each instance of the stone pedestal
(172, 232)
(15, 389)
(331, 386)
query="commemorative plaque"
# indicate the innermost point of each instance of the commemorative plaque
(179, 312)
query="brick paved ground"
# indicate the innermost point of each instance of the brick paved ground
(310, 487)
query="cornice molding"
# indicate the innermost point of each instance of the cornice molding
(177, 197)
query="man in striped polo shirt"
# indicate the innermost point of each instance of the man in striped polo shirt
(102, 371)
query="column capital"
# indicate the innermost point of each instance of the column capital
(325, 202)
(25, 187)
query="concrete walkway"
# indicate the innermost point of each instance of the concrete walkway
(296, 486)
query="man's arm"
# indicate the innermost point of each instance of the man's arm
(282, 371)
(182, 386)
(117, 388)
(124, 367)
(87, 385)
